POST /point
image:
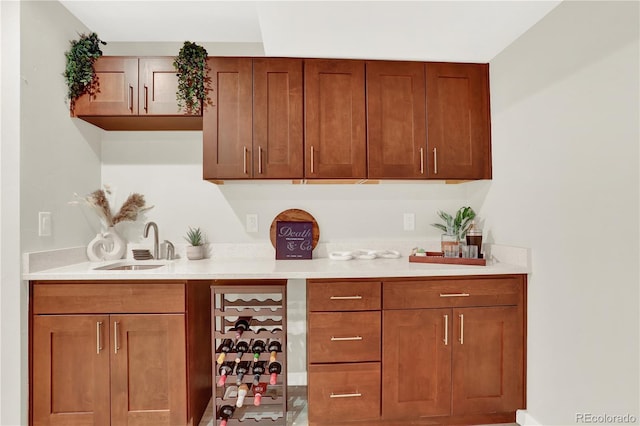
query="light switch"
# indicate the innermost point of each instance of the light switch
(252, 222)
(44, 224)
(409, 221)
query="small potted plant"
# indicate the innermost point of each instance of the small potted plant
(195, 249)
(455, 227)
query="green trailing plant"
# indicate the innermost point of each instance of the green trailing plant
(456, 225)
(79, 73)
(191, 68)
(194, 237)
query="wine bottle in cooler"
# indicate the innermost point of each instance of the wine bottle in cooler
(241, 325)
(241, 370)
(275, 368)
(258, 370)
(225, 413)
(225, 370)
(274, 347)
(242, 347)
(243, 390)
(258, 390)
(224, 348)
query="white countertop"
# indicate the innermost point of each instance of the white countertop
(230, 268)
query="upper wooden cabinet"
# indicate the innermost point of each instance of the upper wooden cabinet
(335, 134)
(458, 117)
(135, 94)
(396, 120)
(253, 129)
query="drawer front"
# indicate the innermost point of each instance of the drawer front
(121, 297)
(343, 296)
(455, 292)
(343, 337)
(344, 392)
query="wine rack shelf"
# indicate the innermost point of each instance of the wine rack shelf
(261, 306)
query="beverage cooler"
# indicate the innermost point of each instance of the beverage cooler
(248, 322)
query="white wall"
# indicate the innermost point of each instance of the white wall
(60, 156)
(167, 168)
(565, 111)
(12, 363)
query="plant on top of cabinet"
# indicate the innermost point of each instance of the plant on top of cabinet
(191, 67)
(79, 72)
(195, 249)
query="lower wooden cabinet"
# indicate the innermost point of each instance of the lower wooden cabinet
(117, 368)
(344, 392)
(463, 361)
(452, 350)
(109, 369)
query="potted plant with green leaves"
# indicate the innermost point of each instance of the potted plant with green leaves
(191, 69)
(454, 227)
(79, 73)
(195, 249)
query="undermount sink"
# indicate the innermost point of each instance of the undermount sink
(129, 267)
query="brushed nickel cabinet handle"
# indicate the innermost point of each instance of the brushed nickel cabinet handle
(116, 344)
(345, 339)
(454, 294)
(421, 161)
(131, 98)
(260, 159)
(446, 330)
(98, 337)
(461, 316)
(146, 98)
(345, 395)
(435, 161)
(244, 159)
(345, 297)
(312, 160)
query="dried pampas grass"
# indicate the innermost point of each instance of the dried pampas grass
(98, 201)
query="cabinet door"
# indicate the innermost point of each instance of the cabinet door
(416, 363)
(459, 131)
(488, 360)
(148, 370)
(396, 120)
(277, 118)
(158, 87)
(227, 128)
(335, 142)
(117, 92)
(70, 377)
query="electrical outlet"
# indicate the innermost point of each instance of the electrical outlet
(252, 222)
(44, 224)
(409, 221)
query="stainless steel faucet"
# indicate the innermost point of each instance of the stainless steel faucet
(171, 250)
(155, 236)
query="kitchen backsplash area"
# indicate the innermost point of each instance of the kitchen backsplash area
(166, 167)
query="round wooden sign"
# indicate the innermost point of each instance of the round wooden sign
(295, 215)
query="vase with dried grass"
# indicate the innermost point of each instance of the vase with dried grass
(108, 244)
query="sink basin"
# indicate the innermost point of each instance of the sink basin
(129, 267)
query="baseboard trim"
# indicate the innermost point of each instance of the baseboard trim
(523, 418)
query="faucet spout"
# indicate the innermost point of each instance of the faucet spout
(155, 236)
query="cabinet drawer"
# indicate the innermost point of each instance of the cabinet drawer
(343, 296)
(454, 292)
(343, 392)
(120, 297)
(343, 337)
